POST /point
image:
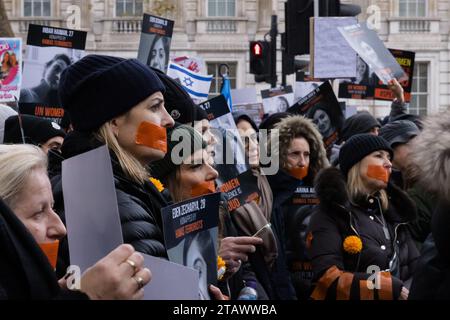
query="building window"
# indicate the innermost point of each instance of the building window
(216, 83)
(129, 8)
(413, 8)
(419, 99)
(36, 8)
(221, 8)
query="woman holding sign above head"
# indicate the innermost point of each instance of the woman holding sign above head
(119, 103)
(30, 232)
(359, 241)
(301, 154)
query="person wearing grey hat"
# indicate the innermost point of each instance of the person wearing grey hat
(361, 222)
(399, 134)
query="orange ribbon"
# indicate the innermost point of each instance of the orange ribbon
(152, 136)
(299, 172)
(203, 188)
(378, 172)
(50, 250)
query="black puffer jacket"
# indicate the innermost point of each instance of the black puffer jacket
(139, 205)
(342, 275)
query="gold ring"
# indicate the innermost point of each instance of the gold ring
(132, 264)
(139, 281)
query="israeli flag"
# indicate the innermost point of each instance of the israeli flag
(196, 85)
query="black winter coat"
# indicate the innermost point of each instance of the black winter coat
(342, 275)
(25, 272)
(139, 204)
(432, 277)
(283, 186)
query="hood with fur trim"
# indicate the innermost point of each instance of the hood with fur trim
(299, 126)
(431, 153)
(331, 189)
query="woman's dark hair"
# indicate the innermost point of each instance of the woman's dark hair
(165, 41)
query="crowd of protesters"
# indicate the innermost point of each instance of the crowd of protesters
(365, 220)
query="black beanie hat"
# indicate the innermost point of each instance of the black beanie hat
(177, 101)
(270, 122)
(161, 168)
(399, 132)
(36, 130)
(99, 88)
(359, 146)
(362, 122)
(241, 115)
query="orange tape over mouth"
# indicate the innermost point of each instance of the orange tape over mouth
(152, 136)
(378, 173)
(203, 188)
(50, 250)
(299, 172)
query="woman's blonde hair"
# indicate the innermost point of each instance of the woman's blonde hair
(17, 162)
(357, 189)
(132, 168)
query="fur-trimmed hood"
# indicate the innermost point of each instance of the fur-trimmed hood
(431, 154)
(294, 126)
(331, 189)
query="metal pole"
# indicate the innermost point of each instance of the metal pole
(273, 52)
(316, 8)
(283, 59)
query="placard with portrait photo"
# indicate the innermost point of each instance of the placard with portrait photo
(191, 237)
(322, 106)
(154, 44)
(49, 52)
(277, 99)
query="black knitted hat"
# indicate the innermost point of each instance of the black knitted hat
(36, 130)
(359, 146)
(99, 88)
(362, 122)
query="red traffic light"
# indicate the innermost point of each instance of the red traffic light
(257, 49)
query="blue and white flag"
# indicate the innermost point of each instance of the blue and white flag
(226, 90)
(195, 84)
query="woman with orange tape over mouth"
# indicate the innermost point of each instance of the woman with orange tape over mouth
(301, 155)
(360, 245)
(192, 174)
(119, 103)
(30, 231)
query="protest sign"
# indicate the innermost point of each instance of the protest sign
(277, 99)
(331, 56)
(246, 101)
(367, 85)
(154, 44)
(323, 108)
(371, 49)
(90, 207)
(191, 235)
(49, 52)
(10, 69)
(235, 176)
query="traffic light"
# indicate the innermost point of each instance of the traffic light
(298, 12)
(260, 60)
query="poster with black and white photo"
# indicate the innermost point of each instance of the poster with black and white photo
(49, 52)
(191, 236)
(371, 49)
(277, 99)
(303, 88)
(323, 108)
(235, 175)
(10, 69)
(245, 101)
(367, 85)
(154, 45)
